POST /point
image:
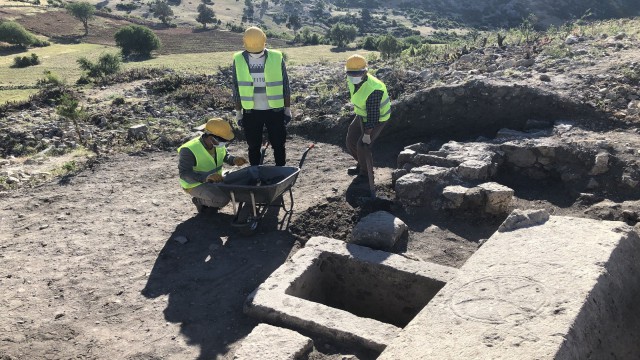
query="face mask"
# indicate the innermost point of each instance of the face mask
(258, 55)
(355, 80)
(220, 144)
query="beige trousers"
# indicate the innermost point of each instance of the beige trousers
(208, 194)
(356, 147)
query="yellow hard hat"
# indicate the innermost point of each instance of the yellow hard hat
(254, 40)
(356, 63)
(220, 128)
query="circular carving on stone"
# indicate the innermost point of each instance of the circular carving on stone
(499, 299)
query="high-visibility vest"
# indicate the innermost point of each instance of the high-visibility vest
(204, 161)
(272, 76)
(359, 99)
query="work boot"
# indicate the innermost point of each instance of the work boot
(361, 178)
(201, 208)
(354, 170)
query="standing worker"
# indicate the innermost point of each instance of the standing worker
(200, 165)
(262, 95)
(372, 106)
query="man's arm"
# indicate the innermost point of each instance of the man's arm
(373, 110)
(185, 167)
(285, 86)
(228, 159)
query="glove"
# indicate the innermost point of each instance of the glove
(215, 178)
(239, 118)
(238, 161)
(287, 115)
(366, 138)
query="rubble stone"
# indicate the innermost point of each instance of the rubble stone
(269, 342)
(379, 230)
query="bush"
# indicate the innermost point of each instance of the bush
(50, 79)
(24, 61)
(14, 33)
(107, 64)
(136, 39)
(389, 47)
(128, 7)
(341, 34)
(370, 43)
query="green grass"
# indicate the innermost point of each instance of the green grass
(209, 62)
(59, 59)
(15, 95)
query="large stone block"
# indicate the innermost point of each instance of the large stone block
(379, 230)
(454, 196)
(405, 156)
(411, 188)
(474, 170)
(564, 289)
(346, 292)
(498, 197)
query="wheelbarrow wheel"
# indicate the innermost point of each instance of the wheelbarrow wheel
(249, 228)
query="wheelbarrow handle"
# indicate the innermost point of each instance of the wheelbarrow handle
(304, 155)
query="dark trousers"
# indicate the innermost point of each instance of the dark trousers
(254, 122)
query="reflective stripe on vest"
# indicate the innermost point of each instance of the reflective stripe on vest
(204, 161)
(272, 76)
(359, 99)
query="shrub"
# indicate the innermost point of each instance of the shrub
(14, 33)
(389, 47)
(107, 64)
(136, 39)
(341, 34)
(24, 61)
(370, 43)
(206, 15)
(50, 79)
(162, 11)
(128, 7)
(82, 11)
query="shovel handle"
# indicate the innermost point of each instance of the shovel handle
(304, 155)
(263, 151)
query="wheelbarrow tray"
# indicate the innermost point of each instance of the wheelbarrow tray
(266, 183)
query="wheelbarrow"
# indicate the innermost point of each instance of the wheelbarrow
(261, 187)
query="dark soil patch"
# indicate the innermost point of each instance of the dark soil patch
(63, 28)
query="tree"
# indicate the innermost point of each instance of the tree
(206, 15)
(294, 23)
(68, 108)
(341, 34)
(162, 11)
(82, 11)
(264, 5)
(389, 47)
(107, 64)
(248, 10)
(136, 39)
(317, 11)
(14, 33)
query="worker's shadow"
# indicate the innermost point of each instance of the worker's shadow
(209, 277)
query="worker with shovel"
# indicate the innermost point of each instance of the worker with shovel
(372, 106)
(200, 165)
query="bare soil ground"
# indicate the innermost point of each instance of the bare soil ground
(91, 268)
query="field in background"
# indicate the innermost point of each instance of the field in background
(58, 58)
(61, 60)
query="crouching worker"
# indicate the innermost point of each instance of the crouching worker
(200, 165)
